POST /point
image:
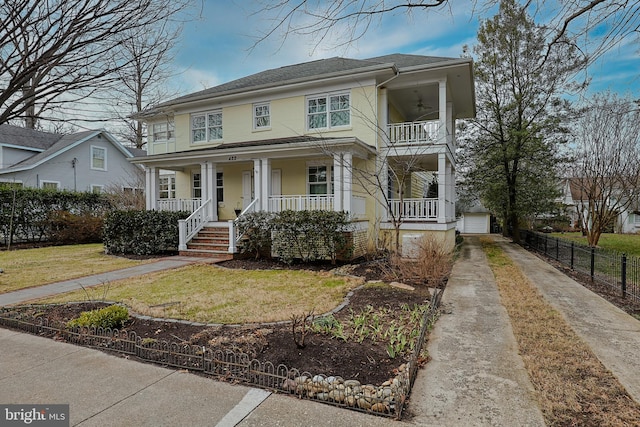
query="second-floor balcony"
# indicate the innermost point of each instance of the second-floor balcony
(414, 132)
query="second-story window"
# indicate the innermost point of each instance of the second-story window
(328, 111)
(98, 158)
(206, 127)
(261, 116)
(163, 131)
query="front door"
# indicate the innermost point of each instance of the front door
(247, 188)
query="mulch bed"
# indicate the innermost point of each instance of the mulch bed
(367, 362)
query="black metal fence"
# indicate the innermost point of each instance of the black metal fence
(386, 400)
(616, 270)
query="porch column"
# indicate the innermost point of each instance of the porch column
(384, 187)
(337, 182)
(152, 178)
(265, 190)
(442, 188)
(212, 194)
(347, 173)
(384, 118)
(442, 111)
(452, 193)
(204, 183)
(257, 183)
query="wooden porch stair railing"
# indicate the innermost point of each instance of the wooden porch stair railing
(210, 242)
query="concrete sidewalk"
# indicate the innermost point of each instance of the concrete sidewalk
(612, 334)
(475, 377)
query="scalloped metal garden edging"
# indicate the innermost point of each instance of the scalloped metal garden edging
(387, 399)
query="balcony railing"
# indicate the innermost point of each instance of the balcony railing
(175, 205)
(414, 209)
(414, 132)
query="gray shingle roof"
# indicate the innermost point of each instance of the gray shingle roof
(308, 71)
(24, 137)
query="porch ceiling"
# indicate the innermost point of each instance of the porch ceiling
(301, 146)
(415, 93)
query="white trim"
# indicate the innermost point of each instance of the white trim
(21, 147)
(45, 181)
(327, 97)
(268, 116)
(207, 136)
(91, 158)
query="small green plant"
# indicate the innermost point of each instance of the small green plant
(112, 317)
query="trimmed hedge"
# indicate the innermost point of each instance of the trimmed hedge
(303, 235)
(141, 232)
(39, 215)
(111, 317)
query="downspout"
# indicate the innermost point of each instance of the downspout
(378, 86)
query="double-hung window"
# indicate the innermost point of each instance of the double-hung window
(328, 111)
(206, 127)
(164, 131)
(167, 186)
(319, 179)
(261, 116)
(219, 187)
(196, 188)
(99, 158)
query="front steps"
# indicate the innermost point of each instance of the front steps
(210, 242)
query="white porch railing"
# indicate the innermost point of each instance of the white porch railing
(414, 209)
(234, 232)
(413, 132)
(175, 205)
(300, 203)
(187, 228)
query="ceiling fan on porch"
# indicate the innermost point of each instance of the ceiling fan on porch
(421, 109)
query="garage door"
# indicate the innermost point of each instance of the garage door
(476, 223)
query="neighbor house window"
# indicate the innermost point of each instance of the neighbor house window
(206, 127)
(219, 184)
(163, 131)
(196, 187)
(50, 185)
(318, 180)
(328, 111)
(97, 189)
(167, 187)
(98, 158)
(261, 116)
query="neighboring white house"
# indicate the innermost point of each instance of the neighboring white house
(297, 137)
(573, 198)
(83, 161)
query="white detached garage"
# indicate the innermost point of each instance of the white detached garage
(475, 220)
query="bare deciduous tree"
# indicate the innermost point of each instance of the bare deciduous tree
(606, 171)
(56, 52)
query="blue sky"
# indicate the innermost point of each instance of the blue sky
(216, 48)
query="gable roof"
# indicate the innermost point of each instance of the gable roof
(311, 71)
(63, 144)
(29, 138)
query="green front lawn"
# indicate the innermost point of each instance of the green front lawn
(34, 267)
(206, 293)
(627, 243)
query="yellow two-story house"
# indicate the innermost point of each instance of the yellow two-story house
(372, 137)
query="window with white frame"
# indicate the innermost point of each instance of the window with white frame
(319, 179)
(164, 131)
(261, 116)
(49, 185)
(196, 185)
(219, 187)
(97, 188)
(206, 127)
(98, 158)
(167, 187)
(328, 111)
